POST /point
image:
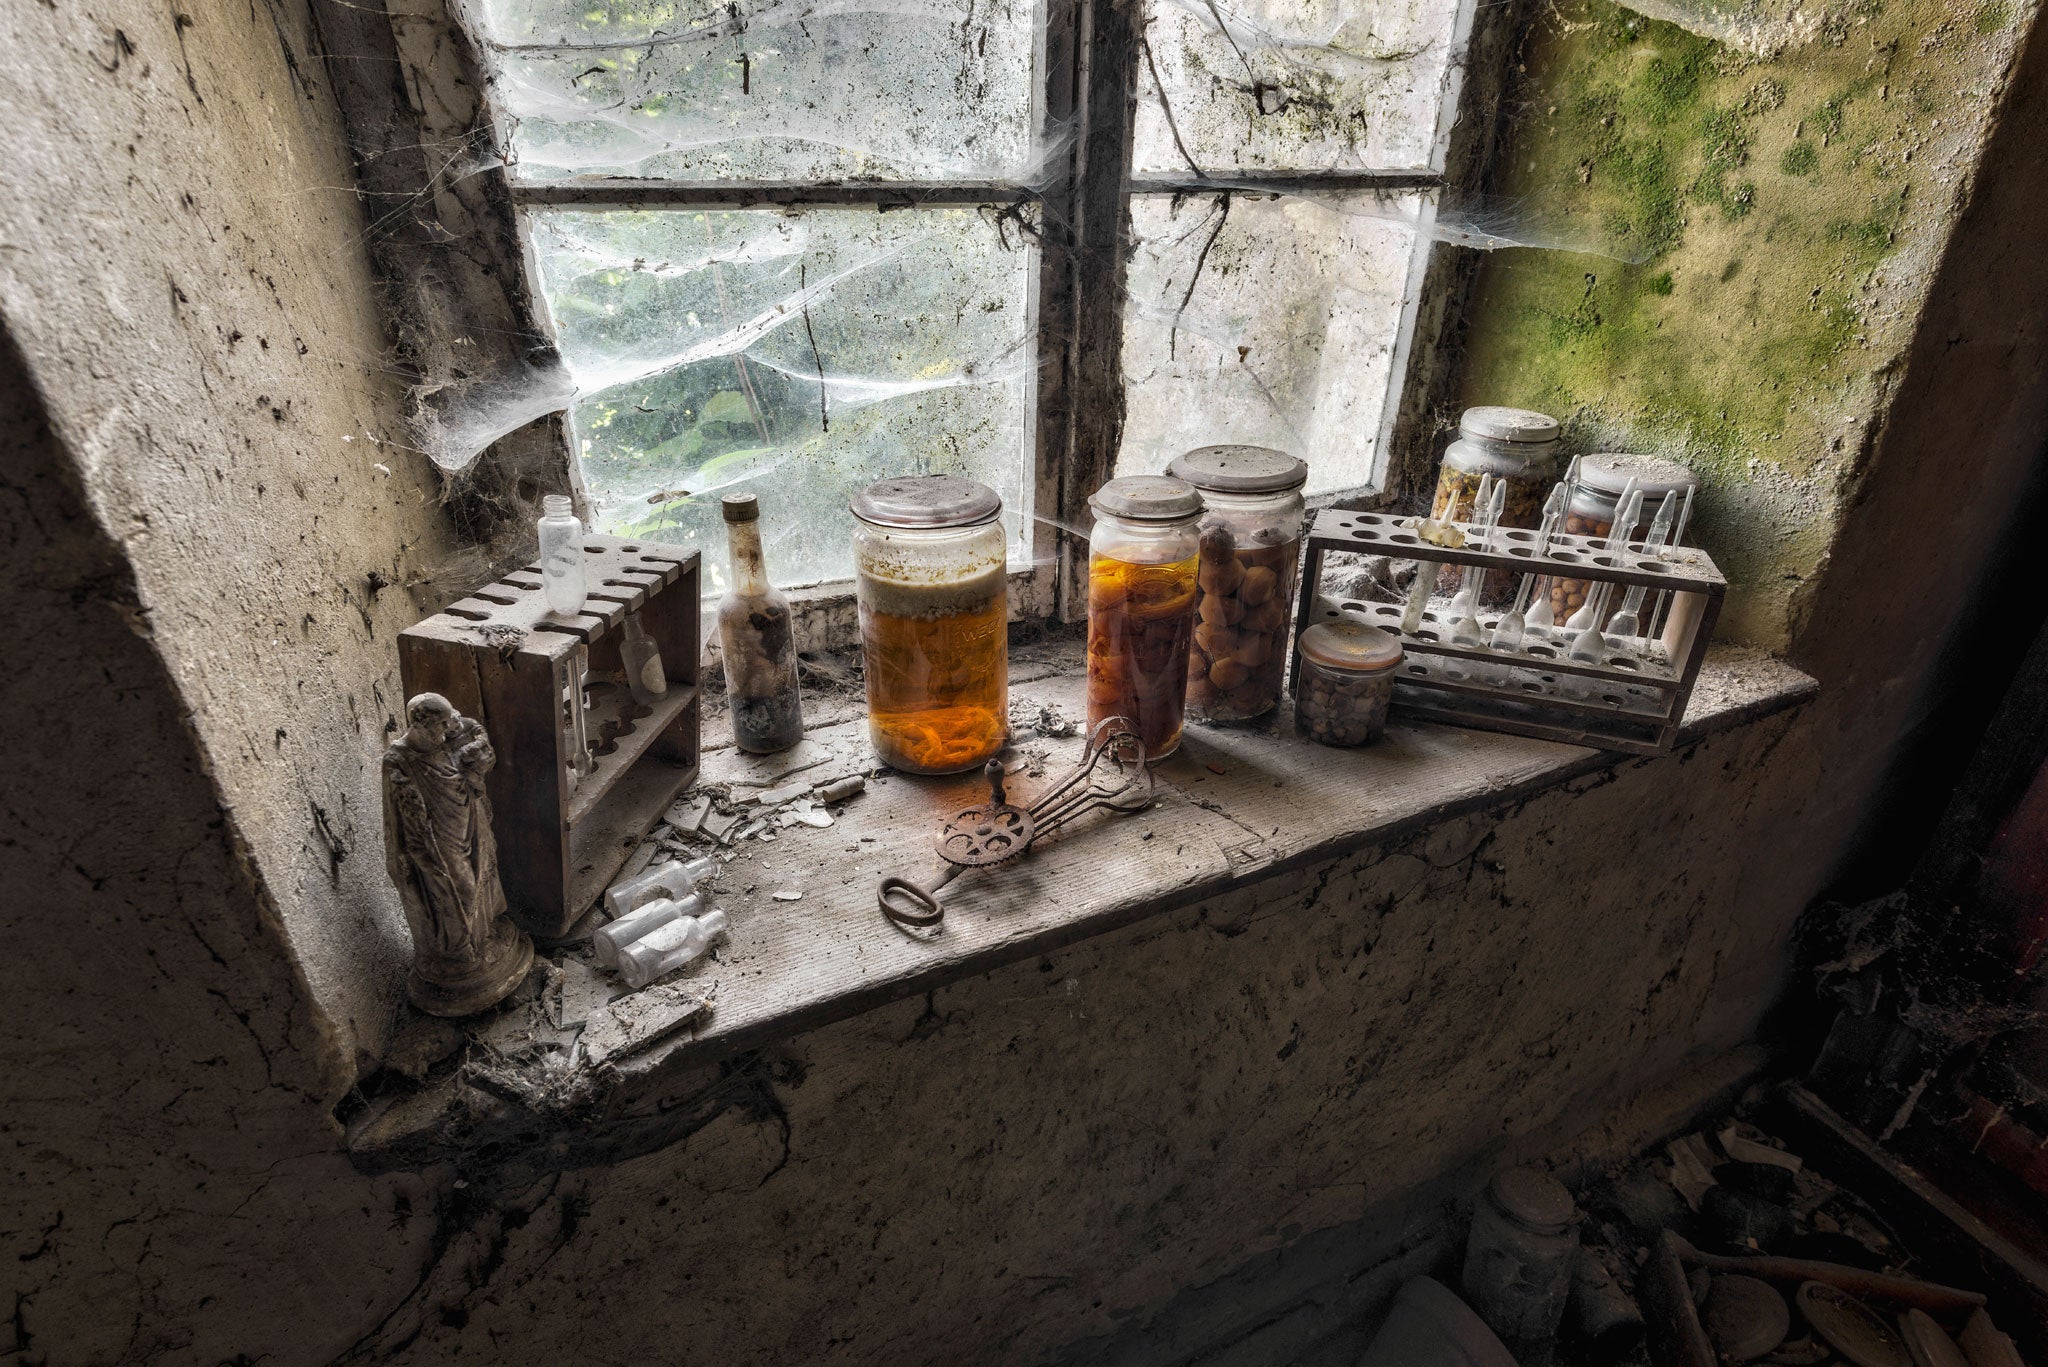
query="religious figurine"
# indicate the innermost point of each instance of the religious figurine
(439, 850)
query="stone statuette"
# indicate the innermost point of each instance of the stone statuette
(439, 850)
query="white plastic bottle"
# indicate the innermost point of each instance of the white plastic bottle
(561, 555)
(669, 947)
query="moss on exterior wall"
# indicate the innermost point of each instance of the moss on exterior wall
(1769, 220)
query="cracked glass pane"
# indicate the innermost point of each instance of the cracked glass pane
(1297, 85)
(1277, 320)
(797, 355)
(773, 90)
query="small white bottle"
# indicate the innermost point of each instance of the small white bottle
(561, 555)
(608, 946)
(672, 878)
(669, 947)
(645, 677)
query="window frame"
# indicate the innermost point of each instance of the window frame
(1091, 53)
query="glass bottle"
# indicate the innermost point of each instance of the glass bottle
(754, 633)
(1589, 511)
(666, 948)
(645, 677)
(1251, 539)
(562, 576)
(1142, 565)
(1518, 1260)
(930, 573)
(1517, 447)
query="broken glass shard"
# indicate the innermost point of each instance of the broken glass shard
(1248, 86)
(766, 90)
(1273, 320)
(797, 355)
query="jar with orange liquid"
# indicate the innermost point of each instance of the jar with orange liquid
(930, 575)
(1142, 565)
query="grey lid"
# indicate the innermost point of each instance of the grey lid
(1519, 425)
(927, 501)
(1240, 469)
(740, 508)
(1610, 472)
(1533, 1198)
(1147, 498)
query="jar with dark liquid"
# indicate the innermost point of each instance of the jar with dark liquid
(1142, 566)
(930, 570)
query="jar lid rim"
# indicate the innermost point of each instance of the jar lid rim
(1350, 644)
(1609, 472)
(1148, 498)
(1240, 469)
(1533, 1197)
(1494, 422)
(927, 501)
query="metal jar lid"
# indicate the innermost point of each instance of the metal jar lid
(1351, 645)
(1522, 426)
(1610, 472)
(1533, 1199)
(927, 501)
(1148, 498)
(1240, 469)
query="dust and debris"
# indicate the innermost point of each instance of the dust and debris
(639, 1019)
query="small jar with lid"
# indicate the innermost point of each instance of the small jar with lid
(1251, 542)
(1518, 1260)
(1514, 445)
(1141, 604)
(930, 564)
(1590, 510)
(1345, 682)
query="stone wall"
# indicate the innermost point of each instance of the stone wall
(199, 941)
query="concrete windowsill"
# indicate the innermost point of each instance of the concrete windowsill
(1234, 806)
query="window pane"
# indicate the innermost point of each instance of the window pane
(1298, 85)
(1275, 320)
(796, 355)
(694, 90)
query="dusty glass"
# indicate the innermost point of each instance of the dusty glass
(1298, 85)
(799, 355)
(1278, 321)
(772, 91)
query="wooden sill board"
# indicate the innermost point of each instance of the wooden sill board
(1278, 803)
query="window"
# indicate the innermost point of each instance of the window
(793, 246)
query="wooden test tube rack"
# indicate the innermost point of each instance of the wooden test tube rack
(501, 656)
(1631, 699)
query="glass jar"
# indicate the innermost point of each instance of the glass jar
(930, 573)
(1518, 1260)
(1346, 681)
(1250, 544)
(1511, 444)
(1589, 511)
(1141, 604)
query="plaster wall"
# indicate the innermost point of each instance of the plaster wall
(1042, 1155)
(185, 274)
(1754, 212)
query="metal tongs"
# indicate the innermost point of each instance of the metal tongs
(998, 831)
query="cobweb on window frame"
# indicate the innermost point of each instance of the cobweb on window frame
(796, 354)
